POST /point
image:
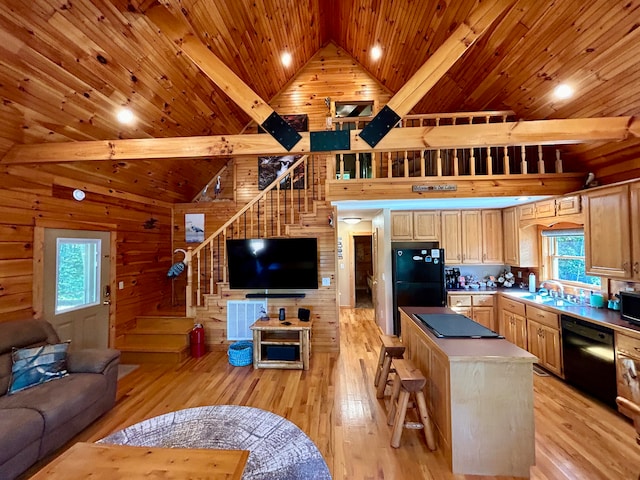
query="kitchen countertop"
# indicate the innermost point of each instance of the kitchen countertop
(464, 349)
(602, 316)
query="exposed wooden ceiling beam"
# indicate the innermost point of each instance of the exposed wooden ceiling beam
(537, 132)
(434, 68)
(174, 26)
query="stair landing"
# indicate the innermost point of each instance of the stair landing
(156, 339)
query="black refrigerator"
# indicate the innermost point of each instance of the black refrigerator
(418, 280)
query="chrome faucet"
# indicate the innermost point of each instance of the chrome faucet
(556, 283)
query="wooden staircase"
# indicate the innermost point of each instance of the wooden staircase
(156, 339)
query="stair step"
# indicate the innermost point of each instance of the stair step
(159, 339)
(172, 324)
(136, 354)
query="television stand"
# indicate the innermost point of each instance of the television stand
(289, 344)
(274, 295)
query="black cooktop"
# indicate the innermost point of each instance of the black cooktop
(454, 325)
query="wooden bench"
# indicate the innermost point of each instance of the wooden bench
(391, 348)
(408, 383)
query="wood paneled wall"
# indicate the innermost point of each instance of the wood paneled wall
(305, 94)
(142, 257)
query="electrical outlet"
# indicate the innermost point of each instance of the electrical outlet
(120, 285)
(326, 281)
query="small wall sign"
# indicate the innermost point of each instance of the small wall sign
(439, 188)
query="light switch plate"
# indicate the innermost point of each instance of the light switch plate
(326, 281)
(120, 285)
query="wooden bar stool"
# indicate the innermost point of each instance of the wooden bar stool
(391, 348)
(408, 382)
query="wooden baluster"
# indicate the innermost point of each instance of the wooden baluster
(277, 215)
(505, 159)
(489, 159)
(306, 185)
(422, 163)
(523, 160)
(374, 164)
(472, 159)
(198, 283)
(357, 165)
(251, 215)
(265, 233)
(456, 167)
(472, 162)
(406, 163)
(293, 211)
(331, 167)
(190, 309)
(389, 169)
(540, 160)
(211, 269)
(341, 166)
(438, 157)
(558, 162)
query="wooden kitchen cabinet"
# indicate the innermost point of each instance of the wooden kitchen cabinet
(415, 225)
(478, 307)
(607, 234)
(472, 237)
(543, 337)
(568, 205)
(546, 208)
(451, 236)
(627, 368)
(634, 200)
(520, 244)
(512, 323)
(492, 238)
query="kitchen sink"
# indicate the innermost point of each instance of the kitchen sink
(548, 300)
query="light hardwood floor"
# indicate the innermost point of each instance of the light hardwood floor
(335, 404)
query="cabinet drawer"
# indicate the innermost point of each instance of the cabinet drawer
(482, 300)
(543, 316)
(627, 345)
(512, 306)
(568, 205)
(459, 300)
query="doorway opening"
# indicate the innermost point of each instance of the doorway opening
(363, 270)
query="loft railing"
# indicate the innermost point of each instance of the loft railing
(476, 161)
(280, 204)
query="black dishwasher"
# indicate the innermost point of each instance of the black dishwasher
(589, 358)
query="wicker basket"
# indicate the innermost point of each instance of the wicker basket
(241, 353)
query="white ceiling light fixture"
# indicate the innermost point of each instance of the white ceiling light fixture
(351, 220)
(286, 59)
(78, 194)
(125, 115)
(376, 52)
(563, 91)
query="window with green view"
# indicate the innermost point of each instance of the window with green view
(77, 273)
(566, 256)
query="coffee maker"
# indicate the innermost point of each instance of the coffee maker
(452, 278)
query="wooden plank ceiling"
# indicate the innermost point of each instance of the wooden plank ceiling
(66, 66)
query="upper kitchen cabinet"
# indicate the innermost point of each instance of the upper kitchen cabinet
(451, 236)
(472, 236)
(520, 244)
(607, 233)
(552, 208)
(415, 225)
(492, 245)
(634, 191)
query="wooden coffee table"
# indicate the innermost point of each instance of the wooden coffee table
(115, 462)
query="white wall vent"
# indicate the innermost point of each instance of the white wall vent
(241, 314)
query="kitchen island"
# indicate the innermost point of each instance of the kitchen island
(480, 397)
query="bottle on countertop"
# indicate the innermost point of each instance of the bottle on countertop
(532, 282)
(583, 300)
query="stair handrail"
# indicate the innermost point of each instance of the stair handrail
(255, 200)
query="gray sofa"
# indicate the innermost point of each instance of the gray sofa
(36, 421)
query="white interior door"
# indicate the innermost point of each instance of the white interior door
(76, 294)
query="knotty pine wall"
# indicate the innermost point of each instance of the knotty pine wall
(330, 73)
(142, 256)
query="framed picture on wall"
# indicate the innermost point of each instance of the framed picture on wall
(194, 227)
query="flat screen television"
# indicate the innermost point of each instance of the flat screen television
(273, 263)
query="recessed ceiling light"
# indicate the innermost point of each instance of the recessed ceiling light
(376, 52)
(563, 91)
(78, 194)
(125, 115)
(286, 59)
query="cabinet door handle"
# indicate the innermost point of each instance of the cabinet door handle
(636, 267)
(625, 266)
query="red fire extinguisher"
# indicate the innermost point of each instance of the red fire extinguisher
(196, 338)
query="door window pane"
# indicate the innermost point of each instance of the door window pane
(77, 273)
